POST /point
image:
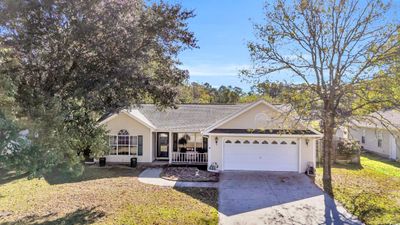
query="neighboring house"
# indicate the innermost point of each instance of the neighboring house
(380, 134)
(254, 136)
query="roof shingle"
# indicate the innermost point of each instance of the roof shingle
(188, 117)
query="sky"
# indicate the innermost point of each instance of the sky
(222, 28)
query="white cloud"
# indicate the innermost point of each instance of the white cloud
(215, 70)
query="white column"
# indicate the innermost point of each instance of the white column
(300, 143)
(314, 152)
(170, 147)
(209, 157)
(151, 150)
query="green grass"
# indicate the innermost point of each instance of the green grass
(102, 196)
(371, 192)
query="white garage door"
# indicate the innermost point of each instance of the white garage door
(261, 154)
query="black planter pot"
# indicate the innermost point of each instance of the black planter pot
(102, 161)
(133, 162)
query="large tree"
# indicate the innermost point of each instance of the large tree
(70, 61)
(335, 48)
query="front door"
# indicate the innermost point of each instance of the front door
(162, 144)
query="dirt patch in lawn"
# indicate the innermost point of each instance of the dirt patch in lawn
(192, 174)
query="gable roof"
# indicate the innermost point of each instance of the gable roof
(240, 112)
(191, 117)
(134, 114)
(187, 117)
(389, 119)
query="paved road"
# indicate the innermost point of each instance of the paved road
(276, 198)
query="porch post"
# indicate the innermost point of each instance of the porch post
(314, 141)
(170, 147)
(300, 143)
(151, 150)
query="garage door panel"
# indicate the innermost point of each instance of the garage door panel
(268, 157)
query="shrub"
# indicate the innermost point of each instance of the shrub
(348, 148)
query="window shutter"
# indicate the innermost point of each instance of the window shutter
(140, 145)
(175, 142)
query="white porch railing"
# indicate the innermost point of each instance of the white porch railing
(189, 157)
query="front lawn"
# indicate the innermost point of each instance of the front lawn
(371, 192)
(102, 196)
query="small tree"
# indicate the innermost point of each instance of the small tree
(335, 48)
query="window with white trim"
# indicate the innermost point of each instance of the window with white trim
(124, 144)
(380, 137)
(363, 137)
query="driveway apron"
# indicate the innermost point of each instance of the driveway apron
(276, 198)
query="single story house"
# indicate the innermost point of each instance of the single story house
(378, 133)
(256, 136)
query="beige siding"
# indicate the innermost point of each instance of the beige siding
(247, 120)
(123, 121)
(308, 153)
(215, 151)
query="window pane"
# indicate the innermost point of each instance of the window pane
(113, 150)
(190, 141)
(199, 142)
(123, 150)
(123, 132)
(134, 150)
(113, 140)
(186, 142)
(134, 140)
(123, 140)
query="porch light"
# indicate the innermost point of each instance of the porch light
(216, 140)
(307, 141)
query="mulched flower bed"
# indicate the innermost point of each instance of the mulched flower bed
(192, 174)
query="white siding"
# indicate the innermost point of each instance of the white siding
(371, 139)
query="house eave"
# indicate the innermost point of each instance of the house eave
(265, 135)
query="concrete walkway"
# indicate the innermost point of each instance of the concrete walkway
(152, 176)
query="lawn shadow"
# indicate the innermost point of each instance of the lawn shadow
(78, 217)
(7, 176)
(350, 166)
(373, 156)
(364, 206)
(89, 173)
(92, 173)
(333, 216)
(208, 196)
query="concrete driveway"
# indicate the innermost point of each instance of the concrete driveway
(276, 198)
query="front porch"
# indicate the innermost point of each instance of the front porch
(192, 158)
(188, 148)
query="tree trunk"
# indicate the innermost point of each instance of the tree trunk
(328, 127)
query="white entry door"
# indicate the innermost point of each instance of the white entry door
(280, 154)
